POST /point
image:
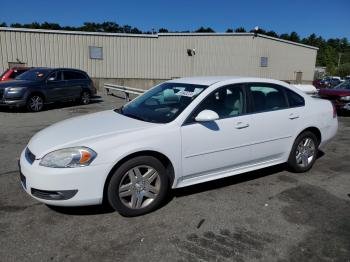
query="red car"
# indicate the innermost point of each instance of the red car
(12, 73)
(339, 95)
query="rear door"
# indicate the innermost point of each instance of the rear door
(274, 122)
(55, 87)
(75, 82)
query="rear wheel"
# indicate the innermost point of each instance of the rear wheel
(35, 103)
(304, 152)
(138, 186)
(85, 98)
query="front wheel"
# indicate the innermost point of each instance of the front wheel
(304, 152)
(35, 103)
(138, 186)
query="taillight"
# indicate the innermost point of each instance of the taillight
(334, 110)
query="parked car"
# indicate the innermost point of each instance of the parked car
(339, 95)
(40, 86)
(179, 133)
(12, 73)
(328, 82)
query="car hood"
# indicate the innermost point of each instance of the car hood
(13, 83)
(334, 92)
(78, 130)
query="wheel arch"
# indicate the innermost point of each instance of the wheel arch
(36, 92)
(160, 156)
(316, 131)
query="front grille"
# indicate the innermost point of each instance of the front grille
(29, 156)
(1, 93)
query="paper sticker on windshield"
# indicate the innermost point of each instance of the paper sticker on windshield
(188, 93)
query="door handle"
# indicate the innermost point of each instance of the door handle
(293, 116)
(241, 125)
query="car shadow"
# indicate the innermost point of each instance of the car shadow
(51, 106)
(185, 191)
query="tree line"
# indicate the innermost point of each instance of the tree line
(333, 53)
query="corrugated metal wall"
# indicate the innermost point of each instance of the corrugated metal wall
(158, 57)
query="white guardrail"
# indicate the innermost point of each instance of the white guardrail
(123, 89)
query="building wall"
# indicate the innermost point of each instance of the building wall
(158, 57)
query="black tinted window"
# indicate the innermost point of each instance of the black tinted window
(56, 76)
(294, 99)
(71, 75)
(267, 97)
(16, 73)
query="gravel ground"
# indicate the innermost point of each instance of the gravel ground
(266, 215)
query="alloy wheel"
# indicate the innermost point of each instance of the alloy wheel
(139, 187)
(305, 152)
(36, 103)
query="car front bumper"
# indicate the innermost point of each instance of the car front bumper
(63, 186)
(17, 103)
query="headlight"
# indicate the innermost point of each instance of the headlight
(13, 90)
(69, 157)
(345, 98)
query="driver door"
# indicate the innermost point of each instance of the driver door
(211, 149)
(55, 87)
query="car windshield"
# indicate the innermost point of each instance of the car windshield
(33, 75)
(163, 103)
(344, 85)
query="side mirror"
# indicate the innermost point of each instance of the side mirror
(207, 116)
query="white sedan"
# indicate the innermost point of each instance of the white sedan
(179, 133)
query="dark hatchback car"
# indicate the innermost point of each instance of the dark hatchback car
(40, 86)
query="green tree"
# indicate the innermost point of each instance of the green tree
(229, 30)
(163, 30)
(294, 37)
(272, 33)
(205, 30)
(343, 70)
(240, 30)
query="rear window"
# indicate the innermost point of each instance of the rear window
(294, 99)
(71, 75)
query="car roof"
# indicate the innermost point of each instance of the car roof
(56, 68)
(202, 80)
(210, 80)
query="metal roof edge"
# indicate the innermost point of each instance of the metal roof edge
(13, 29)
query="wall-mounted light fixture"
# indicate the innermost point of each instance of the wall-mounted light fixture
(191, 52)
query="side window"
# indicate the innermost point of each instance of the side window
(55, 76)
(228, 101)
(70, 75)
(294, 99)
(267, 97)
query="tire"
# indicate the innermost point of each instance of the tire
(138, 186)
(304, 152)
(85, 98)
(35, 103)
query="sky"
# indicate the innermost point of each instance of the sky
(330, 19)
